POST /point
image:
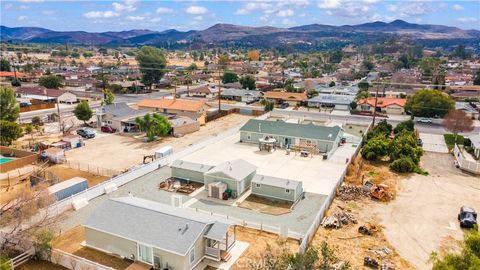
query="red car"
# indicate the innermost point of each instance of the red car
(108, 129)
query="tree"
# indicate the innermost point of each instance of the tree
(429, 103)
(375, 148)
(331, 84)
(152, 64)
(248, 82)
(116, 88)
(404, 145)
(83, 111)
(192, 67)
(109, 97)
(4, 65)
(154, 125)
(87, 54)
(229, 77)
(223, 61)
(36, 121)
(9, 107)
(269, 105)
(28, 68)
(408, 125)
(469, 258)
(51, 81)
(457, 121)
(460, 52)
(311, 93)
(367, 64)
(9, 132)
(353, 105)
(363, 85)
(476, 81)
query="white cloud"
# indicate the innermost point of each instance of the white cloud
(135, 18)
(329, 4)
(126, 6)
(285, 13)
(458, 7)
(22, 18)
(101, 14)
(164, 10)
(198, 18)
(287, 21)
(346, 8)
(196, 10)
(467, 19)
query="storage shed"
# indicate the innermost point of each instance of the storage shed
(74, 141)
(237, 174)
(189, 170)
(68, 188)
(276, 188)
(54, 154)
(164, 151)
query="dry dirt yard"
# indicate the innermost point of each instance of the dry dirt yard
(119, 152)
(64, 173)
(423, 217)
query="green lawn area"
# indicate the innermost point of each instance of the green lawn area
(450, 140)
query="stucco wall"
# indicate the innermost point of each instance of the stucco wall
(188, 174)
(110, 243)
(273, 192)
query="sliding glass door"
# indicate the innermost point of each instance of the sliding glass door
(145, 254)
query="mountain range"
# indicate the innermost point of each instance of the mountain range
(218, 34)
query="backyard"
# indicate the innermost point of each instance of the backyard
(266, 206)
(120, 152)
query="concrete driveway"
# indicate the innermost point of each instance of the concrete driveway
(423, 217)
(433, 143)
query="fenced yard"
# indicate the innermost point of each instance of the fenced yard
(464, 163)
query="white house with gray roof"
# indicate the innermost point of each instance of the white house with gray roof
(276, 188)
(158, 234)
(237, 174)
(190, 171)
(339, 102)
(241, 94)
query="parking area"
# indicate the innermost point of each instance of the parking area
(423, 217)
(119, 152)
(433, 143)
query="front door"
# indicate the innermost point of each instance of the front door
(145, 254)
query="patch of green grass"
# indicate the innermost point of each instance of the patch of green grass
(353, 205)
(372, 173)
(450, 140)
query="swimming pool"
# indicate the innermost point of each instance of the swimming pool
(5, 160)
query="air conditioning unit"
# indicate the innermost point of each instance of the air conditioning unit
(216, 189)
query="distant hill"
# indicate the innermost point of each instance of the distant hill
(264, 36)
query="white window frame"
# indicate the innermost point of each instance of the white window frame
(192, 253)
(287, 190)
(138, 253)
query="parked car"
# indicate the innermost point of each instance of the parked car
(108, 129)
(419, 142)
(86, 133)
(284, 105)
(467, 217)
(424, 120)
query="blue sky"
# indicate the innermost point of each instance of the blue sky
(99, 16)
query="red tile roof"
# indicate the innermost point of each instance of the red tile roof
(173, 104)
(287, 96)
(39, 91)
(383, 102)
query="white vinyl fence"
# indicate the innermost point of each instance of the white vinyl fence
(465, 164)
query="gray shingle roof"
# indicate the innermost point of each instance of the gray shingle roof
(217, 231)
(191, 166)
(159, 225)
(122, 110)
(333, 99)
(309, 131)
(240, 92)
(236, 169)
(276, 181)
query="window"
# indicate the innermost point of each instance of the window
(145, 253)
(248, 136)
(109, 122)
(258, 185)
(192, 255)
(287, 191)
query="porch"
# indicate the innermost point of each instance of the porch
(219, 240)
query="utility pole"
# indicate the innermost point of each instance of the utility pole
(376, 100)
(219, 92)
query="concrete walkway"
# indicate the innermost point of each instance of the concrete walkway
(433, 143)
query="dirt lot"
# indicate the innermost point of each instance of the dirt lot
(120, 152)
(353, 246)
(423, 218)
(65, 173)
(69, 241)
(40, 265)
(263, 205)
(258, 242)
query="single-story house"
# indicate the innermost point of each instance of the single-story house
(119, 116)
(468, 109)
(189, 170)
(237, 174)
(159, 235)
(203, 91)
(281, 97)
(276, 188)
(384, 105)
(195, 109)
(241, 95)
(339, 102)
(286, 135)
(41, 94)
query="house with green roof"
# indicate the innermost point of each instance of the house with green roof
(286, 135)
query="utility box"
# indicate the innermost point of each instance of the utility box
(164, 151)
(68, 188)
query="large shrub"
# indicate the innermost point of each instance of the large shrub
(375, 148)
(403, 165)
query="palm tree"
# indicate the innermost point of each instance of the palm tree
(188, 80)
(175, 83)
(154, 125)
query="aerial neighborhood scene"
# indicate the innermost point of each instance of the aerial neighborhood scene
(264, 135)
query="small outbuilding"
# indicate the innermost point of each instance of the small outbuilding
(54, 154)
(237, 174)
(74, 141)
(68, 188)
(189, 170)
(276, 188)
